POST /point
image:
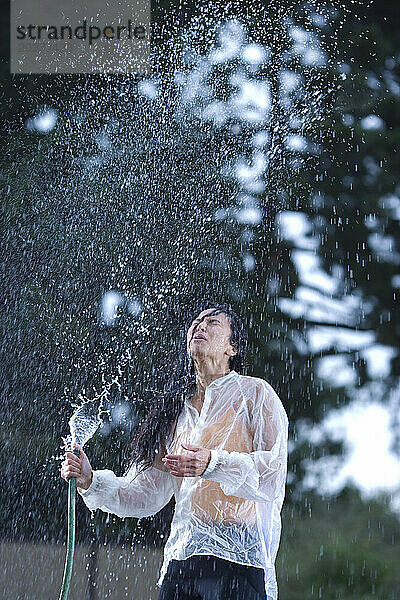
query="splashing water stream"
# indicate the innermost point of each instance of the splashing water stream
(84, 423)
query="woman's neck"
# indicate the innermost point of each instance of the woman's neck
(205, 375)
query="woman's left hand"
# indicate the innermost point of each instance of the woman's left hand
(188, 465)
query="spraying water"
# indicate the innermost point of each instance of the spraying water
(84, 423)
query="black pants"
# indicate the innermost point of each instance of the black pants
(211, 578)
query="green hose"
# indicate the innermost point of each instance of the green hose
(69, 560)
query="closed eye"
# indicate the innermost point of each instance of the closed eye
(209, 320)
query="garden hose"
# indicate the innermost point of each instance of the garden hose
(69, 560)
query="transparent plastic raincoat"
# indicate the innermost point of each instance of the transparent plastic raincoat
(233, 509)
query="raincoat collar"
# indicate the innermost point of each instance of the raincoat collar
(222, 380)
(218, 382)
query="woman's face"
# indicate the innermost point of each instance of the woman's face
(208, 336)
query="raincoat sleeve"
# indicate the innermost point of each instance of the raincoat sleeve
(259, 475)
(133, 495)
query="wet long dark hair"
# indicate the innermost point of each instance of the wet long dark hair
(167, 404)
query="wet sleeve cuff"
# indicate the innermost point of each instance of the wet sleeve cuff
(212, 464)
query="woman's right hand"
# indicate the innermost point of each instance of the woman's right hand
(77, 466)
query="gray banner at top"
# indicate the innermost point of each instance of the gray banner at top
(89, 36)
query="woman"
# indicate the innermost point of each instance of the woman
(216, 439)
